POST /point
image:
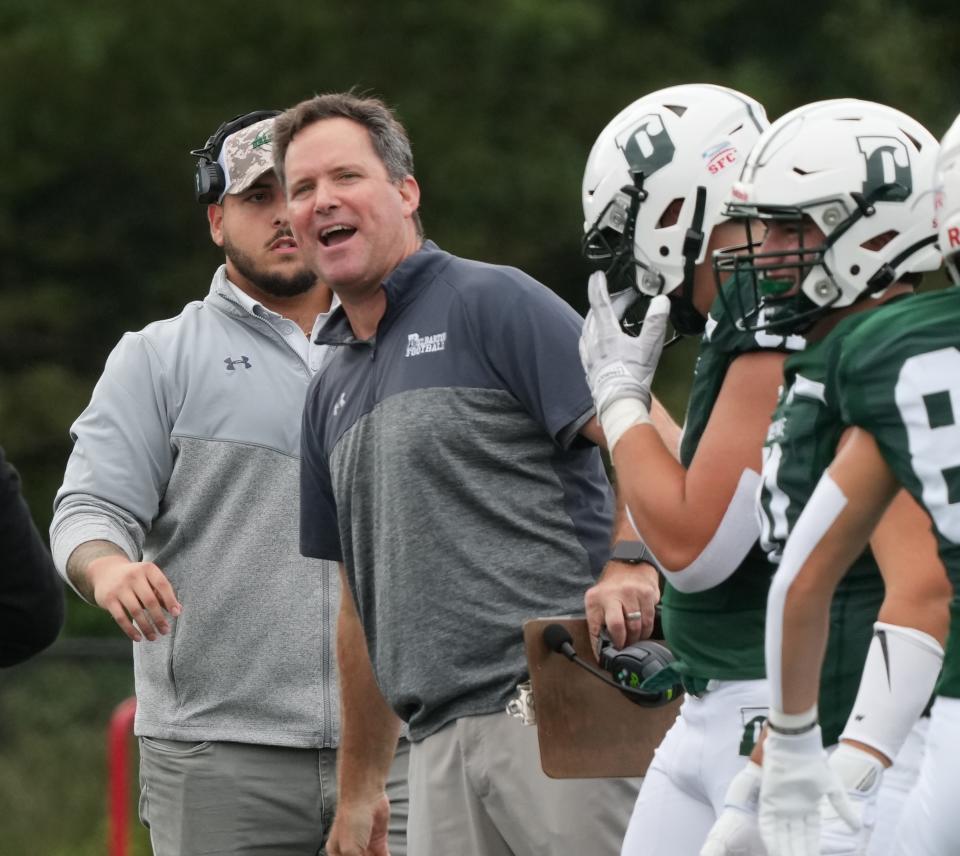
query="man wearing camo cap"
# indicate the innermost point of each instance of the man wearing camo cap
(179, 515)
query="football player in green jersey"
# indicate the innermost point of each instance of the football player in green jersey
(653, 196)
(844, 186)
(897, 380)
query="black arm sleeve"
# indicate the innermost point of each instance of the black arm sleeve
(31, 593)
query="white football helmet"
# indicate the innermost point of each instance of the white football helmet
(680, 147)
(948, 200)
(863, 174)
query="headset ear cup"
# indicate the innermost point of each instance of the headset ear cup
(208, 181)
(638, 662)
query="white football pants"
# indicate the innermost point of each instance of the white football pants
(898, 783)
(930, 822)
(684, 789)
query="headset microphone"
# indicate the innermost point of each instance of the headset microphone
(558, 638)
(629, 667)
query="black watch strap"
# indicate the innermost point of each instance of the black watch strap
(631, 552)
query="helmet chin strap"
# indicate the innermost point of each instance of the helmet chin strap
(683, 313)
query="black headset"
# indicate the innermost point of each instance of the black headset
(626, 669)
(631, 666)
(208, 180)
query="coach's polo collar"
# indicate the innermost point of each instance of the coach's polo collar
(406, 281)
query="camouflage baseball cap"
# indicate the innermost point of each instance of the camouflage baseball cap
(246, 155)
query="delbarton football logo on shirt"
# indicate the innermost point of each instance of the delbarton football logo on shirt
(417, 344)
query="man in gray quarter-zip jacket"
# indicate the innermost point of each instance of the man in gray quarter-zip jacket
(179, 515)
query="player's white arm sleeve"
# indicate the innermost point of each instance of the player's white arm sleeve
(823, 508)
(737, 533)
(902, 667)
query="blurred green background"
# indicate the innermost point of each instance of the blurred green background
(99, 233)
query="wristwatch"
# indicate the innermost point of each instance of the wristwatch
(631, 552)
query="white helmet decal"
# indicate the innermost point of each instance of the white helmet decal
(648, 146)
(888, 163)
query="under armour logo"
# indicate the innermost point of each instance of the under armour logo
(340, 402)
(232, 364)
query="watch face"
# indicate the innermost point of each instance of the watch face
(629, 551)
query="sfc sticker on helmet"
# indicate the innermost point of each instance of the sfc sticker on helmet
(648, 146)
(888, 162)
(720, 156)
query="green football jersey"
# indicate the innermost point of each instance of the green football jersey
(899, 379)
(718, 633)
(800, 445)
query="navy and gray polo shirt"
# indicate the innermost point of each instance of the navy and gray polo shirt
(445, 455)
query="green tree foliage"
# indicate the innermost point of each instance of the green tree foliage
(98, 230)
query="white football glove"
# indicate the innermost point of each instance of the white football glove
(861, 775)
(795, 777)
(619, 367)
(735, 832)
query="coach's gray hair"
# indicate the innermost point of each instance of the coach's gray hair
(387, 135)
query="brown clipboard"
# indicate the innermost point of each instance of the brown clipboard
(585, 728)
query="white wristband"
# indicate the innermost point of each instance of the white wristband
(902, 667)
(621, 415)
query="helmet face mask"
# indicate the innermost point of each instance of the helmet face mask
(654, 188)
(857, 171)
(608, 243)
(775, 299)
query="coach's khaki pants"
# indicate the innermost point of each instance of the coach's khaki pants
(239, 799)
(477, 789)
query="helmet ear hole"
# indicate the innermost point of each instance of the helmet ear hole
(878, 242)
(670, 215)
